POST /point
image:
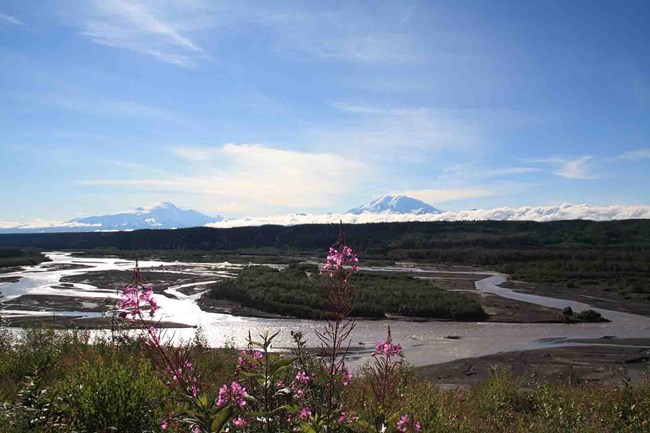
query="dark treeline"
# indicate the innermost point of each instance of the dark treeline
(374, 239)
(10, 257)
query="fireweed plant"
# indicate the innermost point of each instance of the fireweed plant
(384, 381)
(273, 392)
(200, 413)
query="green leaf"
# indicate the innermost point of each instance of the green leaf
(221, 419)
(282, 362)
(251, 375)
(256, 344)
(392, 418)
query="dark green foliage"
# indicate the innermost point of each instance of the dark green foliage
(371, 239)
(300, 291)
(10, 257)
(589, 316)
(53, 381)
(569, 316)
(113, 394)
(69, 386)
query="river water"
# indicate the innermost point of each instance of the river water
(424, 342)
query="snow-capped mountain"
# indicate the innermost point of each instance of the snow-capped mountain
(526, 213)
(161, 216)
(395, 204)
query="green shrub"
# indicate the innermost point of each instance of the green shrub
(113, 394)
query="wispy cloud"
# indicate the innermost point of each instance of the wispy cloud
(140, 28)
(197, 154)
(134, 166)
(634, 155)
(344, 34)
(10, 19)
(569, 168)
(476, 171)
(444, 195)
(110, 108)
(257, 177)
(376, 48)
(404, 128)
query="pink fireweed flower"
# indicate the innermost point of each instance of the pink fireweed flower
(222, 399)
(244, 361)
(385, 348)
(239, 423)
(164, 425)
(304, 413)
(302, 377)
(345, 418)
(132, 300)
(347, 376)
(338, 257)
(153, 337)
(404, 423)
(235, 393)
(183, 374)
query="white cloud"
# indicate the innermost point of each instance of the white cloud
(570, 168)
(634, 155)
(404, 129)
(373, 48)
(140, 28)
(10, 19)
(343, 33)
(42, 224)
(257, 177)
(575, 168)
(475, 171)
(436, 196)
(527, 213)
(112, 107)
(196, 154)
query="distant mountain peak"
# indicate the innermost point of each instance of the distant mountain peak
(164, 205)
(395, 204)
(165, 215)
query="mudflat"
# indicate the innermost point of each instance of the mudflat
(602, 361)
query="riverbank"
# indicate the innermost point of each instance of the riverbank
(601, 361)
(598, 296)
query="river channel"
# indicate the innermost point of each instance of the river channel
(424, 342)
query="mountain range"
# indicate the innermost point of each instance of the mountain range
(161, 216)
(383, 209)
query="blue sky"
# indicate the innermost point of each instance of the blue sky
(261, 108)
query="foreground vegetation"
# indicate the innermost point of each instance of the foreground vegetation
(57, 382)
(299, 290)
